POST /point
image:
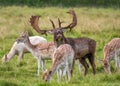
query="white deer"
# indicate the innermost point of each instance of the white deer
(62, 63)
(40, 51)
(20, 49)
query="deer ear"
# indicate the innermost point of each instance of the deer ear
(50, 32)
(20, 33)
(26, 33)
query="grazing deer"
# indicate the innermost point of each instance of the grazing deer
(83, 47)
(62, 62)
(111, 52)
(40, 51)
(20, 49)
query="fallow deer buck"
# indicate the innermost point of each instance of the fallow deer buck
(40, 51)
(83, 47)
(111, 52)
(62, 63)
(20, 49)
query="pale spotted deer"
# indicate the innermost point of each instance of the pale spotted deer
(83, 47)
(40, 51)
(62, 63)
(111, 52)
(20, 49)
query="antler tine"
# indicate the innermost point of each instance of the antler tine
(34, 23)
(52, 23)
(59, 22)
(74, 20)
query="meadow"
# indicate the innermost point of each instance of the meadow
(100, 24)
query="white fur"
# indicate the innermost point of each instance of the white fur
(117, 58)
(19, 48)
(40, 51)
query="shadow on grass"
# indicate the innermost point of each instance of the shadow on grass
(5, 83)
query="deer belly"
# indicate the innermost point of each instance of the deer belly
(82, 52)
(46, 54)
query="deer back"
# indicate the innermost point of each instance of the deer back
(109, 49)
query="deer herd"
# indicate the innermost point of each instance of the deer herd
(63, 51)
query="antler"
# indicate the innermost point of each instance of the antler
(52, 23)
(74, 20)
(34, 23)
(59, 22)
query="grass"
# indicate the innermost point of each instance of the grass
(101, 24)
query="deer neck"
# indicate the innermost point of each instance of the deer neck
(29, 46)
(58, 42)
(11, 54)
(54, 68)
(106, 58)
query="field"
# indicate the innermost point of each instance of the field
(100, 24)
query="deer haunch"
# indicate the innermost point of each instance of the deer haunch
(84, 48)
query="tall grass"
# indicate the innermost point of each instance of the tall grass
(100, 24)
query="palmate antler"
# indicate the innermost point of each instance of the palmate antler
(34, 23)
(71, 25)
(74, 20)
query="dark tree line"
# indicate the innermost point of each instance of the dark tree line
(63, 3)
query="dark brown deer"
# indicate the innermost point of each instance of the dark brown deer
(83, 47)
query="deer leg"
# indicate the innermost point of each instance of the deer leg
(91, 60)
(116, 62)
(72, 67)
(80, 66)
(84, 63)
(58, 75)
(39, 62)
(64, 73)
(42, 64)
(20, 56)
(68, 73)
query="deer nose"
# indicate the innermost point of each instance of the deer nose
(59, 34)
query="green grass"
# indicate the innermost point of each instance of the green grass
(100, 24)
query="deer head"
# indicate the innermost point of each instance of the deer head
(24, 37)
(4, 59)
(46, 75)
(105, 65)
(57, 32)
